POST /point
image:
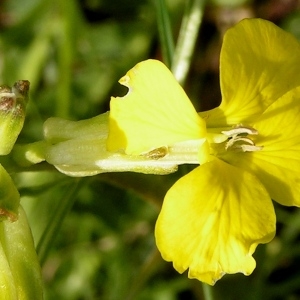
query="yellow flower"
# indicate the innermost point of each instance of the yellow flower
(213, 218)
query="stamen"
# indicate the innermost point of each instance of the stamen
(238, 139)
(235, 139)
(240, 130)
(251, 148)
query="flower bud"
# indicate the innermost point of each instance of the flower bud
(12, 113)
(20, 274)
(9, 197)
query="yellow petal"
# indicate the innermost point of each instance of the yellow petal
(259, 63)
(278, 164)
(156, 111)
(212, 220)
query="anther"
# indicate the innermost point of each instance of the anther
(238, 139)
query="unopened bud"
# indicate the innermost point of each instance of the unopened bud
(20, 273)
(12, 113)
(9, 197)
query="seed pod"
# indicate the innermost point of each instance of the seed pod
(12, 113)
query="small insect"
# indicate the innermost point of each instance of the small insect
(157, 153)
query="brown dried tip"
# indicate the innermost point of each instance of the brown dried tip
(4, 215)
(22, 87)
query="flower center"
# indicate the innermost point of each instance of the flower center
(240, 138)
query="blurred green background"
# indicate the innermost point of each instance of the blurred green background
(94, 235)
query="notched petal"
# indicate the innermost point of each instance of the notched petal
(155, 113)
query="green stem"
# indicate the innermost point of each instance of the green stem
(207, 291)
(187, 39)
(35, 57)
(67, 24)
(58, 216)
(165, 32)
(146, 271)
